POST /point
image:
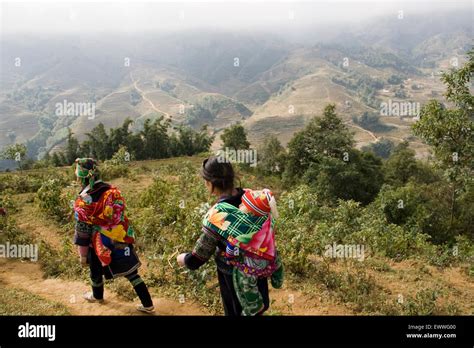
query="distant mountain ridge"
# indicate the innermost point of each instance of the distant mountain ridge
(271, 85)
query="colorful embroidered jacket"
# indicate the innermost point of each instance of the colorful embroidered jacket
(102, 221)
(108, 214)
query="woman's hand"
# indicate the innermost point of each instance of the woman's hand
(180, 259)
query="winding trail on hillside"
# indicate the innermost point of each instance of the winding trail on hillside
(143, 94)
(384, 136)
(402, 140)
(362, 129)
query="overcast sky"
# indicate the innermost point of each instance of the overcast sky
(136, 16)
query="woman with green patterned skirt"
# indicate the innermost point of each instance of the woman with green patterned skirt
(239, 231)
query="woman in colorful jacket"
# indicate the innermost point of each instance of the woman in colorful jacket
(242, 241)
(103, 235)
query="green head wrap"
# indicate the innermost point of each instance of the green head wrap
(86, 168)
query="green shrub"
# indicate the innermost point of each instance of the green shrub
(167, 219)
(52, 202)
(423, 303)
(111, 171)
(419, 207)
(20, 183)
(64, 262)
(10, 232)
(7, 202)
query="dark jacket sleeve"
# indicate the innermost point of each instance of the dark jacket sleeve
(278, 276)
(83, 233)
(204, 249)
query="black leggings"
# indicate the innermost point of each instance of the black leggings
(97, 281)
(230, 300)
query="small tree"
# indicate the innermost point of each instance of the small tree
(401, 166)
(155, 138)
(122, 156)
(382, 148)
(359, 178)
(325, 136)
(202, 140)
(450, 131)
(15, 152)
(98, 144)
(235, 137)
(271, 156)
(72, 148)
(56, 160)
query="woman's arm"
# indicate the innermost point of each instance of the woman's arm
(277, 276)
(82, 233)
(82, 238)
(204, 249)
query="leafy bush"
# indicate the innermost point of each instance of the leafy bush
(371, 121)
(382, 148)
(424, 303)
(271, 157)
(20, 183)
(402, 166)
(421, 208)
(64, 262)
(346, 223)
(7, 203)
(54, 263)
(10, 232)
(111, 171)
(321, 155)
(52, 202)
(167, 219)
(358, 178)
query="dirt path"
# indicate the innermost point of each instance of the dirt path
(402, 140)
(293, 302)
(384, 136)
(45, 231)
(142, 93)
(364, 130)
(28, 276)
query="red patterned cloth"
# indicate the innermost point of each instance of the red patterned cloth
(108, 213)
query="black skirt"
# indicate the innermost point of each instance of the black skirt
(124, 262)
(230, 300)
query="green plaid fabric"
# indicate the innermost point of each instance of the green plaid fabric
(236, 226)
(240, 223)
